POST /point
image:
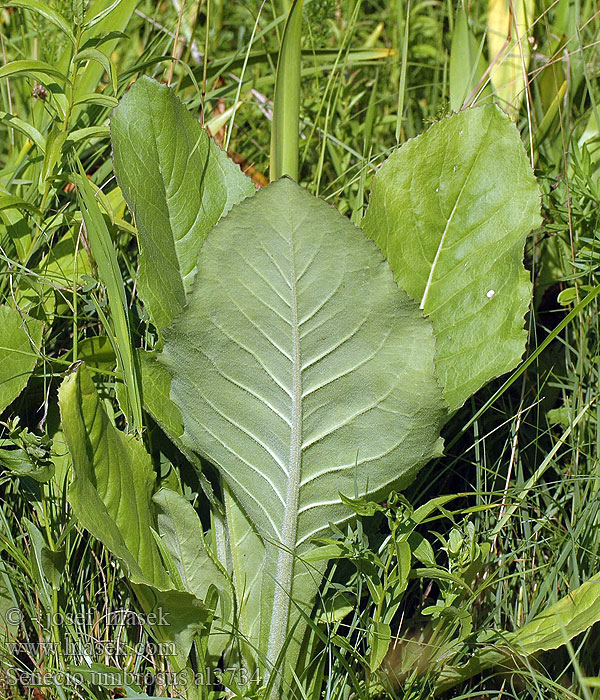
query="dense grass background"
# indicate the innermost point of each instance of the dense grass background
(525, 455)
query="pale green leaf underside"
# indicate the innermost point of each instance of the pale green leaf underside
(19, 346)
(301, 371)
(450, 210)
(177, 182)
(299, 367)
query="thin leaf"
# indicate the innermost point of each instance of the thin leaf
(104, 254)
(48, 12)
(33, 68)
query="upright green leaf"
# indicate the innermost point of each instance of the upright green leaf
(285, 130)
(450, 210)
(19, 352)
(177, 182)
(105, 255)
(111, 495)
(197, 566)
(508, 29)
(301, 371)
(467, 64)
(180, 528)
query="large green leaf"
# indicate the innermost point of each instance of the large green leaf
(19, 348)
(113, 483)
(450, 210)
(177, 182)
(111, 495)
(197, 566)
(301, 371)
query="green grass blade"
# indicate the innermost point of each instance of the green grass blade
(104, 254)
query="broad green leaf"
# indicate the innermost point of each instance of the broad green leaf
(450, 210)
(380, 634)
(564, 620)
(177, 182)
(301, 371)
(181, 532)
(111, 495)
(19, 352)
(113, 483)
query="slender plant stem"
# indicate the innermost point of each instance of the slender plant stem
(285, 133)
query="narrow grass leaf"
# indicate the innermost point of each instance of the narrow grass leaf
(105, 256)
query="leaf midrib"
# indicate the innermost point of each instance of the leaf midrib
(287, 546)
(450, 219)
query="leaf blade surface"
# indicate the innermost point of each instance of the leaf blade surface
(450, 210)
(21, 338)
(301, 370)
(177, 182)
